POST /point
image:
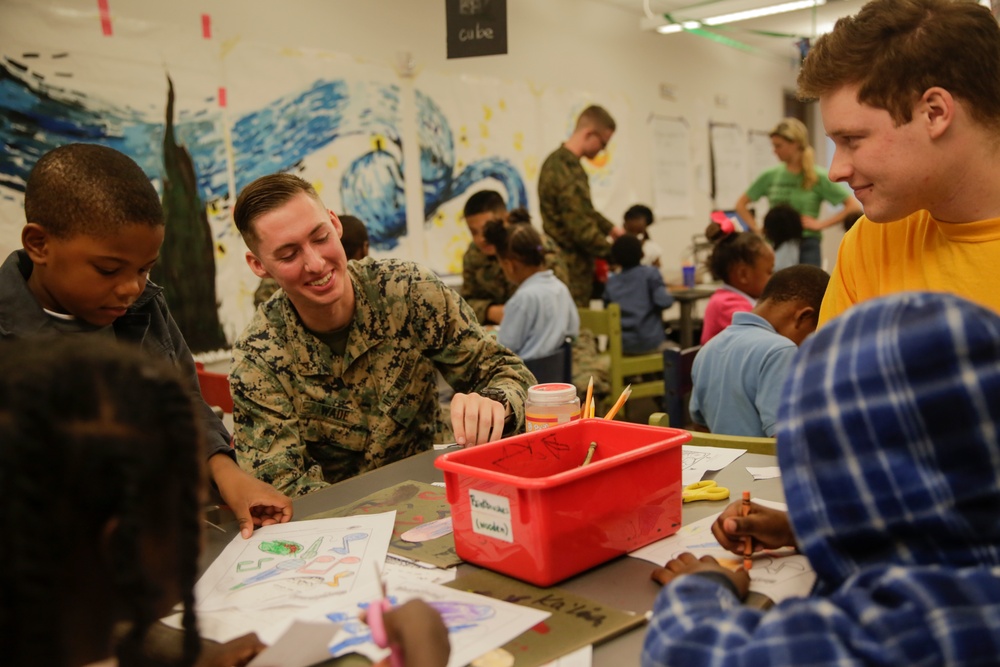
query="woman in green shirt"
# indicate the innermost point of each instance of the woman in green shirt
(798, 182)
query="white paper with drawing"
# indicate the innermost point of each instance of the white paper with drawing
(291, 571)
(696, 461)
(476, 623)
(776, 573)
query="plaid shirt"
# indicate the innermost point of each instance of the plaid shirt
(888, 445)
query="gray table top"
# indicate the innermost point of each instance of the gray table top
(623, 582)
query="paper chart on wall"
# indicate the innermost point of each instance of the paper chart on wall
(298, 570)
(778, 574)
(476, 623)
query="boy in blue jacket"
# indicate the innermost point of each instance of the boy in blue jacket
(94, 230)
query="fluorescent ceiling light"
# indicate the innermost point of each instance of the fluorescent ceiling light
(668, 28)
(762, 11)
(665, 25)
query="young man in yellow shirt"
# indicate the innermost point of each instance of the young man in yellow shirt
(909, 91)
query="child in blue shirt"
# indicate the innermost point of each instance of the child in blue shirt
(738, 375)
(640, 293)
(541, 314)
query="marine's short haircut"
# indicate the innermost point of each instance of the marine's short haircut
(596, 116)
(91, 190)
(484, 201)
(802, 282)
(355, 235)
(626, 251)
(640, 211)
(264, 195)
(894, 50)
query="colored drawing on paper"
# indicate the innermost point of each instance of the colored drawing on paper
(310, 561)
(476, 623)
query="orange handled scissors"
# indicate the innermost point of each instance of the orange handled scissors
(706, 489)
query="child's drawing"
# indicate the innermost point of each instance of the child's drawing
(476, 623)
(295, 564)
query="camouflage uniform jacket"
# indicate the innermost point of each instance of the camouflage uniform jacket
(569, 217)
(483, 281)
(306, 417)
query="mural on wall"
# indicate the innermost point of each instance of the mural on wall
(489, 128)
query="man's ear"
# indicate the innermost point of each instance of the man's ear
(937, 107)
(35, 240)
(337, 224)
(256, 266)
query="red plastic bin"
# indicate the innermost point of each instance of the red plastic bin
(525, 507)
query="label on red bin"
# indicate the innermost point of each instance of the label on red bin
(491, 515)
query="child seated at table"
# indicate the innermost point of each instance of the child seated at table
(102, 479)
(640, 293)
(890, 462)
(738, 375)
(541, 314)
(744, 262)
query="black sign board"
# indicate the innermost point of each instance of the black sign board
(476, 27)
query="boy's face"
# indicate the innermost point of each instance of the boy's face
(889, 168)
(95, 279)
(476, 224)
(299, 246)
(598, 139)
(635, 226)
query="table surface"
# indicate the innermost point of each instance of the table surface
(623, 583)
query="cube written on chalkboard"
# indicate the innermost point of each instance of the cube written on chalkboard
(476, 27)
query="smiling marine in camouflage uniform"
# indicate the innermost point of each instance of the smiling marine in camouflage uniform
(336, 375)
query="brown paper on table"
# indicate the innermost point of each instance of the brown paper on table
(575, 621)
(415, 503)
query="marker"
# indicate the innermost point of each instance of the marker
(747, 541)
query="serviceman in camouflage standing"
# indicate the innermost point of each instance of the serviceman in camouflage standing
(336, 375)
(484, 286)
(568, 215)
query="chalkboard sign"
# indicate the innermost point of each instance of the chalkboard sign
(476, 27)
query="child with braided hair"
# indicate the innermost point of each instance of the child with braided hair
(108, 457)
(541, 314)
(744, 262)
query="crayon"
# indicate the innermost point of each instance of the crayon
(747, 541)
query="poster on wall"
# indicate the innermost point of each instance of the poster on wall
(729, 164)
(672, 168)
(476, 27)
(487, 130)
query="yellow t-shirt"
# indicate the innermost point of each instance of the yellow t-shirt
(915, 253)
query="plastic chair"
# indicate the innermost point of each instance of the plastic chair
(608, 322)
(753, 445)
(215, 389)
(677, 383)
(557, 367)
